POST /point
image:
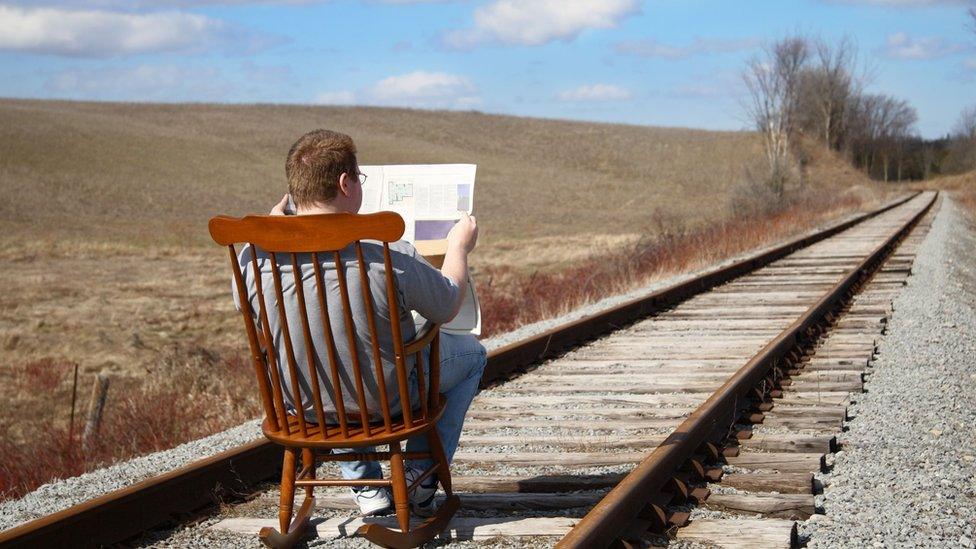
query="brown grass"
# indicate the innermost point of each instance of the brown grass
(107, 262)
(152, 175)
(196, 393)
(962, 187)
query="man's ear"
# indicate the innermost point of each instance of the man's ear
(344, 184)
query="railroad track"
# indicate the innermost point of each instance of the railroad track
(724, 391)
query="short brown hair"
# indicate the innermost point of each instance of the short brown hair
(315, 163)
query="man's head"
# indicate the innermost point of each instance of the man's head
(322, 170)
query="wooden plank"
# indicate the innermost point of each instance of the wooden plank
(670, 377)
(786, 462)
(801, 386)
(776, 442)
(784, 483)
(663, 338)
(627, 369)
(780, 442)
(551, 483)
(741, 533)
(828, 376)
(573, 440)
(500, 502)
(576, 413)
(815, 397)
(789, 506)
(834, 365)
(820, 423)
(460, 528)
(536, 423)
(558, 459)
(697, 388)
(525, 400)
(787, 409)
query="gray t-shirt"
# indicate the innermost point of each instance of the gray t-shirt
(420, 287)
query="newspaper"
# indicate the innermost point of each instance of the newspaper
(430, 199)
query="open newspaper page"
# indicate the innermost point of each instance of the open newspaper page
(430, 199)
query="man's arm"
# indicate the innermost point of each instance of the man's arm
(460, 241)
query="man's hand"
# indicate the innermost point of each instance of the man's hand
(464, 233)
(279, 208)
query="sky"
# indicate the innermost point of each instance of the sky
(661, 63)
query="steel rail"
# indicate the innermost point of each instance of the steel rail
(607, 520)
(163, 499)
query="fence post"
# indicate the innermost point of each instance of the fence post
(95, 408)
(74, 397)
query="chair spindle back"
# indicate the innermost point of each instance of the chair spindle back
(282, 238)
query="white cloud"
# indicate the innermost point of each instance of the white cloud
(425, 89)
(654, 48)
(901, 46)
(342, 97)
(97, 33)
(418, 89)
(141, 83)
(538, 22)
(595, 93)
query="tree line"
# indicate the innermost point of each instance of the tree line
(808, 87)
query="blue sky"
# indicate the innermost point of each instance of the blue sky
(670, 63)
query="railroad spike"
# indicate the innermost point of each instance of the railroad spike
(656, 516)
(712, 451)
(696, 468)
(678, 489)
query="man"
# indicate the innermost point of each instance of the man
(323, 177)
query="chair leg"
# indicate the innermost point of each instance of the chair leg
(291, 531)
(440, 457)
(287, 500)
(308, 460)
(401, 499)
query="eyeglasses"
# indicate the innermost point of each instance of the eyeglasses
(362, 178)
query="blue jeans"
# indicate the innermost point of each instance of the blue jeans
(463, 360)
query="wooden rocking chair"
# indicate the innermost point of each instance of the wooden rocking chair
(283, 237)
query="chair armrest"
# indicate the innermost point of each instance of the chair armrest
(422, 339)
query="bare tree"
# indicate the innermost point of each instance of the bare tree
(833, 86)
(880, 127)
(964, 138)
(894, 123)
(966, 125)
(773, 81)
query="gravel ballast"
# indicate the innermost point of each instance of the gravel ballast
(906, 472)
(62, 494)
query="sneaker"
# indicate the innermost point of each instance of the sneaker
(422, 499)
(372, 501)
